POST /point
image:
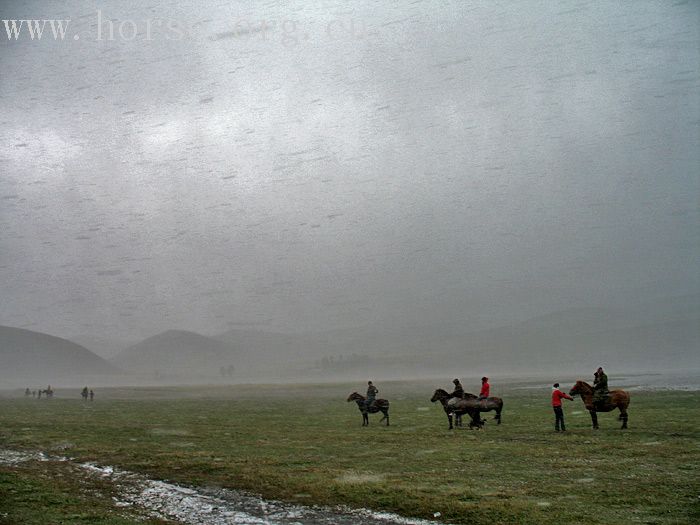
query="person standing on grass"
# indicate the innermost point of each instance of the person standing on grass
(372, 392)
(557, 396)
(92, 395)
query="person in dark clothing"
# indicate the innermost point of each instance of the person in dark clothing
(600, 386)
(458, 392)
(557, 396)
(372, 392)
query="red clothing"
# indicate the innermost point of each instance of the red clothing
(485, 387)
(557, 396)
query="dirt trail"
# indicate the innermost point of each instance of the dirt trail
(211, 506)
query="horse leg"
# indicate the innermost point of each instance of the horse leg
(623, 417)
(475, 421)
(449, 418)
(386, 416)
(498, 416)
(594, 418)
(458, 420)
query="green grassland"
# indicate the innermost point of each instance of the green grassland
(305, 444)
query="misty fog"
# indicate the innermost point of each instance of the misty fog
(270, 190)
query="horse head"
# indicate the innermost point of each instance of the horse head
(354, 397)
(439, 394)
(581, 387)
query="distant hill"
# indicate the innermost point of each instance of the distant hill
(106, 347)
(578, 340)
(569, 340)
(178, 353)
(34, 358)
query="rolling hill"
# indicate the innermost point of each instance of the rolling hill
(178, 353)
(33, 358)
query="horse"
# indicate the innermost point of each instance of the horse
(489, 404)
(379, 405)
(458, 409)
(48, 393)
(616, 399)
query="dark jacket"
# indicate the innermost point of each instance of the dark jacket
(600, 387)
(458, 391)
(372, 392)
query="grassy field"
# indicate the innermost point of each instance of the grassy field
(305, 444)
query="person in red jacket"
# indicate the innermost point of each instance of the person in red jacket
(485, 388)
(557, 396)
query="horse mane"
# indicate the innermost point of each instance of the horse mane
(584, 383)
(441, 391)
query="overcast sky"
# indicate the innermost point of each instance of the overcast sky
(311, 165)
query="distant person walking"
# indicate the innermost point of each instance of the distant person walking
(557, 396)
(84, 393)
(485, 388)
(92, 395)
(372, 392)
(600, 386)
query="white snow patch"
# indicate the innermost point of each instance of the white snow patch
(201, 506)
(359, 477)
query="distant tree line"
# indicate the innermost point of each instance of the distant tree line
(343, 362)
(227, 371)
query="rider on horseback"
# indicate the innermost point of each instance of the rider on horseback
(485, 388)
(458, 391)
(372, 392)
(600, 386)
(456, 394)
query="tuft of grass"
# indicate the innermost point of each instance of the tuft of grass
(304, 443)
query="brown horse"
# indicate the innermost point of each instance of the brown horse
(458, 409)
(616, 399)
(379, 405)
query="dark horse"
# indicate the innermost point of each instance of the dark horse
(470, 405)
(379, 405)
(616, 399)
(457, 410)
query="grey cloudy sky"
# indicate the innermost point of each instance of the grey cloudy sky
(345, 163)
